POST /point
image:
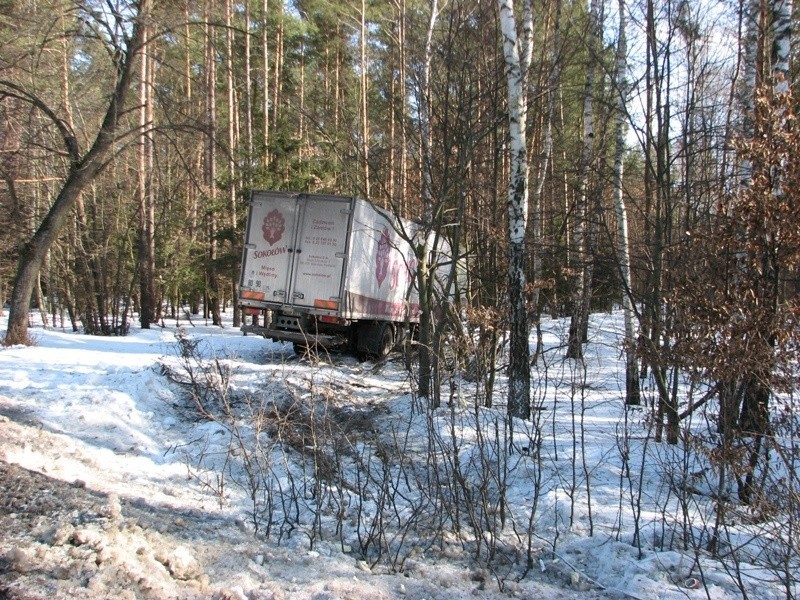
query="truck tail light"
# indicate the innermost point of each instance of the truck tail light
(251, 295)
(329, 304)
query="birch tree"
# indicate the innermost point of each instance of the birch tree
(781, 44)
(265, 76)
(364, 91)
(632, 395)
(428, 361)
(519, 403)
(583, 280)
(545, 157)
(752, 12)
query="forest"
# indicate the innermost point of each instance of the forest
(579, 156)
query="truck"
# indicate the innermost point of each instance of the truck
(328, 271)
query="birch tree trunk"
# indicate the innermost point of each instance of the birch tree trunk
(632, 390)
(428, 359)
(752, 12)
(364, 88)
(265, 60)
(519, 360)
(397, 132)
(248, 89)
(581, 295)
(544, 162)
(754, 419)
(781, 44)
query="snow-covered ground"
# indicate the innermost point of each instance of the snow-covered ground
(331, 480)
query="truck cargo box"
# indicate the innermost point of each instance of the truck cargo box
(328, 270)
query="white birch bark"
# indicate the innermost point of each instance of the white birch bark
(265, 60)
(428, 365)
(781, 44)
(425, 116)
(781, 48)
(752, 11)
(582, 291)
(364, 85)
(632, 392)
(248, 85)
(519, 369)
(544, 161)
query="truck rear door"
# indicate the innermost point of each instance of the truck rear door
(269, 247)
(320, 251)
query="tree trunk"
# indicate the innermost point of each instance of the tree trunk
(232, 138)
(364, 88)
(147, 299)
(781, 44)
(519, 360)
(248, 90)
(747, 97)
(82, 171)
(212, 275)
(658, 202)
(542, 168)
(428, 358)
(754, 416)
(632, 390)
(265, 60)
(582, 291)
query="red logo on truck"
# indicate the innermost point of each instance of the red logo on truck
(382, 256)
(273, 227)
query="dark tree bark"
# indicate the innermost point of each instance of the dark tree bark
(146, 242)
(82, 171)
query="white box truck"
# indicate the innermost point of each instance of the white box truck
(329, 271)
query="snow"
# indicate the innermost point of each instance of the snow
(175, 514)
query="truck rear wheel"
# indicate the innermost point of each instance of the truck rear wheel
(376, 339)
(386, 341)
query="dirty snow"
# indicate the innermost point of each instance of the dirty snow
(129, 494)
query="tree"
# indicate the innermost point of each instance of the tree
(146, 191)
(213, 288)
(124, 43)
(632, 392)
(552, 71)
(585, 227)
(428, 359)
(519, 404)
(739, 302)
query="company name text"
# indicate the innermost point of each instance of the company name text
(270, 252)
